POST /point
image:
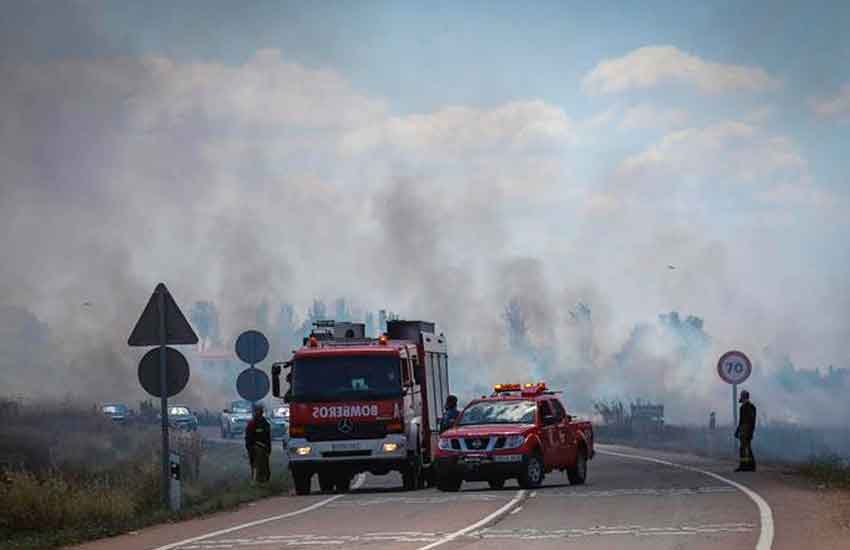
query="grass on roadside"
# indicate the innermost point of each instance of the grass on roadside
(830, 471)
(67, 475)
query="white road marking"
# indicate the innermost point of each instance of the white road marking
(437, 499)
(279, 541)
(357, 484)
(765, 540)
(602, 530)
(518, 497)
(577, 492)
(516, 510)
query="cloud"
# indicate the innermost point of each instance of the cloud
(833, 107)
(515, 126)
(651, 66)
(730, 149)
(645, 115)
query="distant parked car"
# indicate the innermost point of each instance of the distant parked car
(279, 419)
(234, 418)
(180, 417)
(117, 412)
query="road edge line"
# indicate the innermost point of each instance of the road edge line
(495, 516)
(357, 484)
(766, 531)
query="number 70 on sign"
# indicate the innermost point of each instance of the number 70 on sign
(734, 367)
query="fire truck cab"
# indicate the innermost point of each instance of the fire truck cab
(361, 404)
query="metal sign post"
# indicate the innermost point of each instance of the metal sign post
(735, 404)
(162, 323)
(165, 483)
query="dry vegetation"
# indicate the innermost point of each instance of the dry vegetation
(69, 474)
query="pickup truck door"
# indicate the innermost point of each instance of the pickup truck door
(566, 435)
(549, 435)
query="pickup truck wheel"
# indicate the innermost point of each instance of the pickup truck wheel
(326, 483)
(302, 482)
(532, 474)
(496, 484)
(578, 473)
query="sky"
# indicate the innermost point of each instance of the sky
(437, 159)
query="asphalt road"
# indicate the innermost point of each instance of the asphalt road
(632, 500)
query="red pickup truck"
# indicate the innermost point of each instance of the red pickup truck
(520, 432)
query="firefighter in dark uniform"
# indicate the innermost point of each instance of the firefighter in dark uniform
(450, 413)
(745, 431)
(258, 442)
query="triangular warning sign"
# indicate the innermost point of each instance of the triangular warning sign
(177, 328)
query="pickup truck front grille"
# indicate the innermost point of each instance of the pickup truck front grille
(331, 432)
(477, 443)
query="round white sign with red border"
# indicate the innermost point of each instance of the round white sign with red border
(734, 367)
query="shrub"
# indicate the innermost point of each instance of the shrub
(51, 502)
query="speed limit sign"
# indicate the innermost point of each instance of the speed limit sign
(734, 367)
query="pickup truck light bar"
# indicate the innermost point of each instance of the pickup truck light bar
(529, 389)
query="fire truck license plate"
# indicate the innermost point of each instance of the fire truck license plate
(345, 446)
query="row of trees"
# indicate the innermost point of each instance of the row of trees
(285, 326)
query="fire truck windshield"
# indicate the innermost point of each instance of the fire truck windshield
(499, 412)
(345, 377)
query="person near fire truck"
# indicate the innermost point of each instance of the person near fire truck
(258, 442)
(745, 431)
(450, 413)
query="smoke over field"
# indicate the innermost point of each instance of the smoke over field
(536, 245)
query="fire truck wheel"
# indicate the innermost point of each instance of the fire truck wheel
(343, 484)
(302, 482)
(578, 473)
(496, 483)
(412, 475)
(532, 475)
(449, 484)
(428, 477)
(326, 483)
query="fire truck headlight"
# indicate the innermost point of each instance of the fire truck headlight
(514, 441)
(390, 447)
(445, 444)
(302, 451)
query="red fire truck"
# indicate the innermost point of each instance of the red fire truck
(520, 432)
(360, 404)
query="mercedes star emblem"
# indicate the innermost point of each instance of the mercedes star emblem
(345, 425)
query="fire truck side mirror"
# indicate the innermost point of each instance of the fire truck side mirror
(276, 380)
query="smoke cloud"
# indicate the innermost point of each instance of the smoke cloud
(270, 182)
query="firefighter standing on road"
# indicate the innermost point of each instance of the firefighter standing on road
(450, 413)
(258, 442)
(745, 431)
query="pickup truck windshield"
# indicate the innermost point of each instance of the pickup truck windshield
(340, 378)
(178, 411)
(499, 412)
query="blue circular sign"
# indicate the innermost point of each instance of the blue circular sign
(252, 384)
(252, 347)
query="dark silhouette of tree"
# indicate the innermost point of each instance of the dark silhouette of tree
(517, 326)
